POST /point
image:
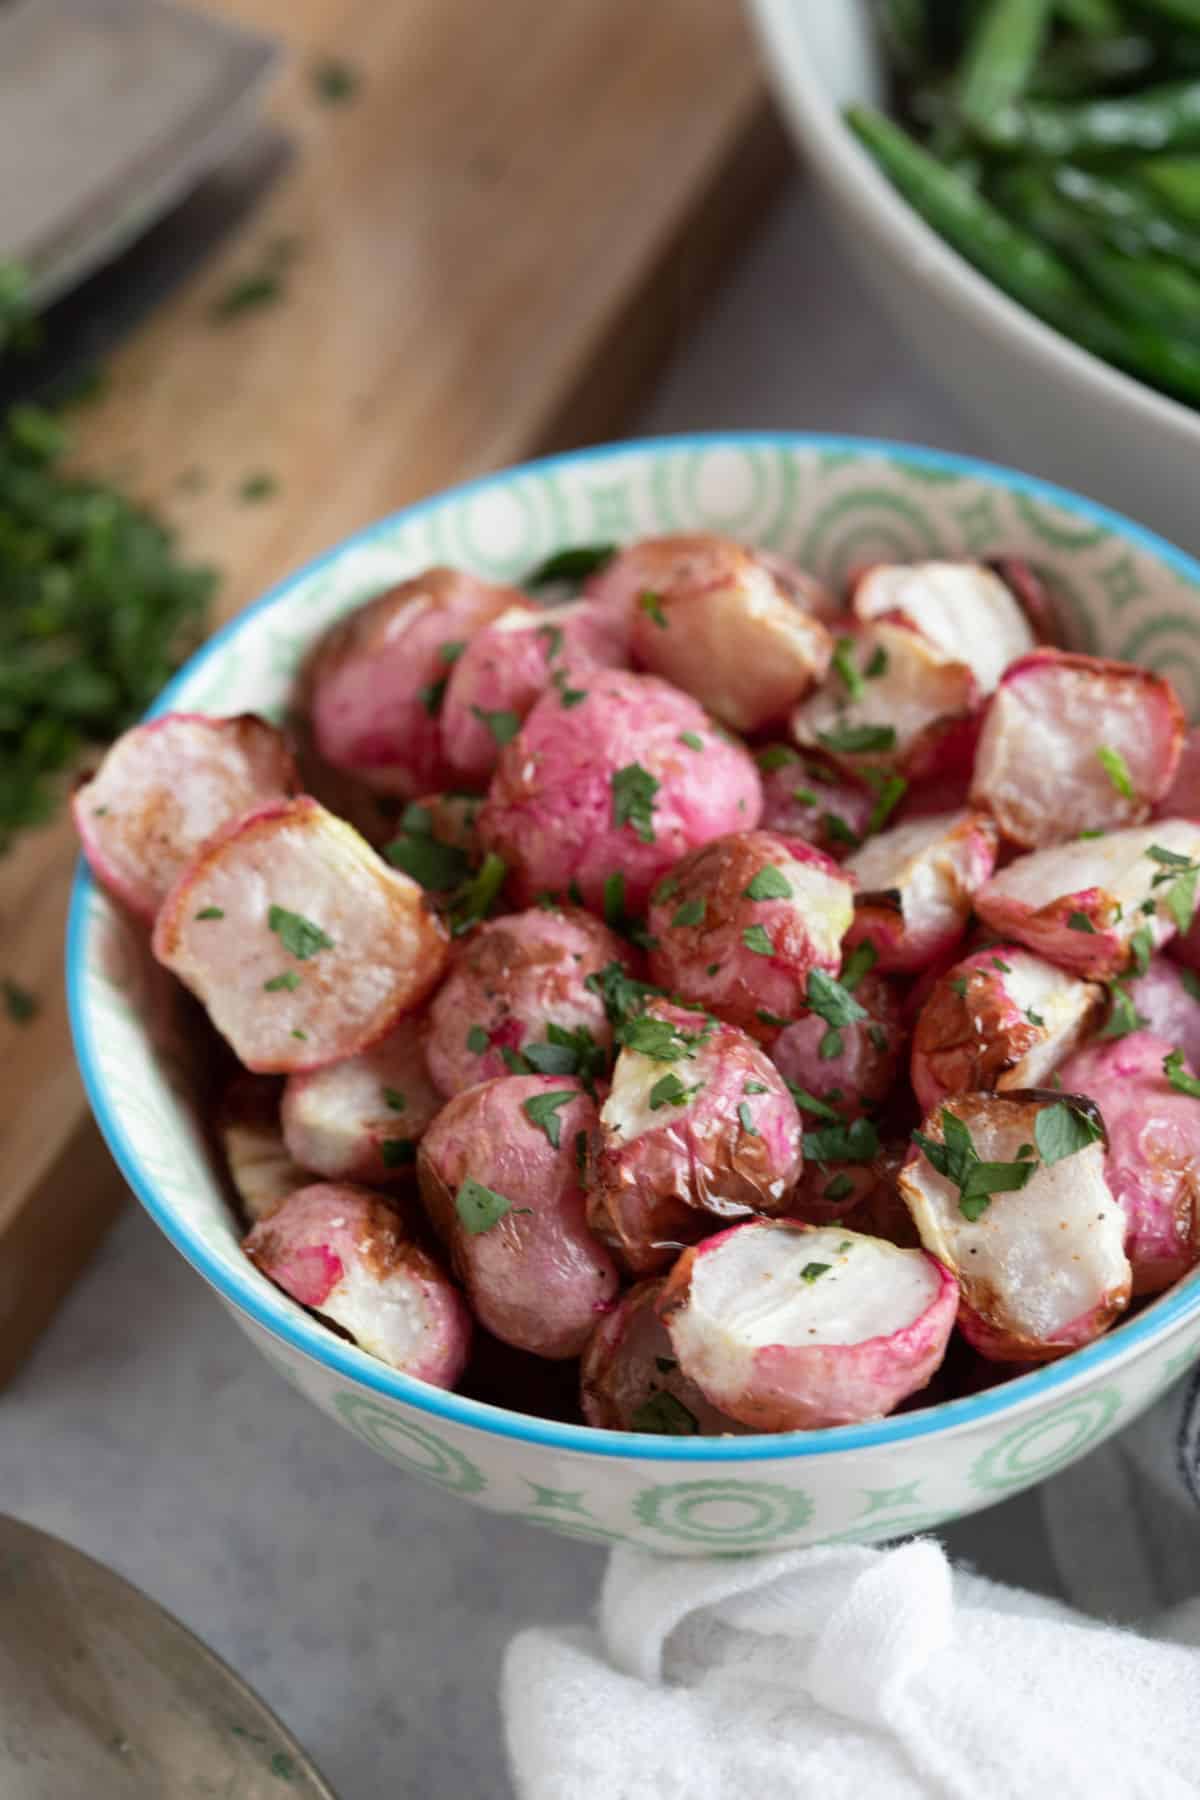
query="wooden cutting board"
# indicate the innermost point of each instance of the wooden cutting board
(497, 236)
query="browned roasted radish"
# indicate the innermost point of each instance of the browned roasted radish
(1009, 1191)
(1072, 744)
(630, 1379)
(792, 1327)
(361, 1119)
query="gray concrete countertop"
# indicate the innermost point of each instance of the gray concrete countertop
(367, 1609)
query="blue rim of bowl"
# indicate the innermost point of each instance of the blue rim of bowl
(273, 1313)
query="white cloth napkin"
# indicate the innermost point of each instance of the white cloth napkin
(846, 1673)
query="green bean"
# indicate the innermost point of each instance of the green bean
(1175, 181)
(1126, 214)
(1079, 66)
(1142, 290)
(1159, 118)
(1181, 12)
(1000, 56)
(1019, 264)
(1091, 18)
(905, 28)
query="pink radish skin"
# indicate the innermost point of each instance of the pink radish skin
(164, 788)
(346, 1254)
(1182, 798)
(213, 931)
(629, 1364)
(663, 1173)
(1153, 1162)
(863, 1072)
(537, 1277)
(713, 618)
(709, 933)
(1111, 734)
(1167, 1000)
(376, 679)
(715, 1306)
(916, 885)
(552, 810)
(361, 1119)
(510, 979)
(807, 800)
(509, 665)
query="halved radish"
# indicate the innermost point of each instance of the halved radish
(164, 788)
(963, 609)
(1072, 743)
(1002, 1018)
(1098, 905)
(1182, 798)
(1165, 1000)
(348, 1255)
(361, 1119)
(630, 1379)
(916, 885)
(792, 1327)
(303, 946)
(853, 1064)
(1025, 1219)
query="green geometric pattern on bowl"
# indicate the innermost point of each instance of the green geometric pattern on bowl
(830, 504)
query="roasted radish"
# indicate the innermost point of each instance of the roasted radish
(915, 887)
(361, 1119)
(630, 1379)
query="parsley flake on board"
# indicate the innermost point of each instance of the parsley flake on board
(503, 725)
(768, 884)
(652, 605)
(1177, 1075)
(633, 791)
(574, 564)
(20, 1005)
(479, 1207)
(858, 740)
(663, 1414)
(542, 1111)
(958, 1160)
(297, 934)
(1117, 770)
(1062, 1130)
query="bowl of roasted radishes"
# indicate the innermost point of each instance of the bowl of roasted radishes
(660, 987)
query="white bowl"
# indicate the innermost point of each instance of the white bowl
(1043, 402)
(829, 502)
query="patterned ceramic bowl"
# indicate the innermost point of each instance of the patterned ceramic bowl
(830, 502)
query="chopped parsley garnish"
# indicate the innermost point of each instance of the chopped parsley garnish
(567, 695)
(570, 565)
(1191, 982)
(614, 902)
(542, 1110)
(860, 962)
(394, 1100)
(813, 1271)
(959, 986)
(581, 1149)
(211, 912)
(1181, 873)
(503, 725)
(756, 938)
(1086, 837)
(334, 81)
(621, 993)
(958, 1160)
(666, 890)
(20, 1005)
(1123, 1015)
(479, 1207)
(878, 1037)
(806, 796)
(567, 1053)
(475, 898)
(554, 640)
(258, 486)
(712, 968)
(831, 1000)
(832, 1044)
(889, 791)
(297, 1033)
(768, 884)
(659, 1039)
(769, 1018)
(1078, 921)
(1117, 770)
(298, 935)
(1177, 1075)
(246, 293)
(668, 1090)
(855, 1142)
(633, 791)
(690, 913)
(843, 662)
(1062, 1129)
(478, 1040)
(878, 663)
(666, 1365)
(663, 1414)
(692, 740)
(287, 983)
(746, 1118)
(398, 1153)
(437, 866)
(450, 653)
(1141, 947)
(514, 1062)
(432, 695)
(1035, 1018)
(776, 756)
(809, 1103)
(840, 1188)
(1004, 968)
(837, 830)
(652, 605)
(754, 1087)
(858, 740)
